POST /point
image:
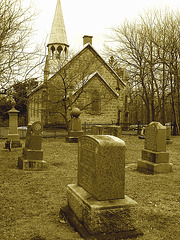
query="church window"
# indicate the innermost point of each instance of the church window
(34, 107)
(52, 51)
(31, 106)
(38, 106)
(65, 51)
(59, 50)
(96, 102)
(44, 98)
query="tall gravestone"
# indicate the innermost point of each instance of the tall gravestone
(155, 159)
(113, 130)
(98, 200)
(13, 140)
(32, 157)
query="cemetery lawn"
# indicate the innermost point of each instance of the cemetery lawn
(30, 201)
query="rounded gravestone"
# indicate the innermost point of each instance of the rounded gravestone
(36, 127)
(75, 112)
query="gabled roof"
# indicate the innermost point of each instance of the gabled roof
(58, 31)
(35, 89)
(89, 46)
(83, 83)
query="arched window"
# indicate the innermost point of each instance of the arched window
(52, 51)
(65, 51)
(31, 105)
(44, 98)
(96, 102)
(59, 50)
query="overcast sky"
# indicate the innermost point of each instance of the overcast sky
(92, 17)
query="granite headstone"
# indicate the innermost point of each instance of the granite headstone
(32, 157)
(101, 166)
(97, 204)
(155, 159)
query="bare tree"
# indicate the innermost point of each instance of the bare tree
(15, 31)
(149, 49)
(66, 89)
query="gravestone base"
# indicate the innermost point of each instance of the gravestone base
(15, 142)
(154, 162)
(12, 144)
(153, 168)
(32, 154)
(155, 157)
(73, 136)
(101, 219)
(30, 164)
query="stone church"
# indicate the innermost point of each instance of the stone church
(85, 81)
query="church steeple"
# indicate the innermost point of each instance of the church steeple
(58, 44)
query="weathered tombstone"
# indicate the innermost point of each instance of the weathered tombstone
(113, 130)
(32, 158)
(75, 130)
(13, 140)
(98, 200)
(106, 130)
(155, 159)
(97, 130)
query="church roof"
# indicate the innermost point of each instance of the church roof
(58, 31)
(88, 45)
(89, 78)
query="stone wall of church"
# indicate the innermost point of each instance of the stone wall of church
(46, 106)
(108, 115)
(99, 104)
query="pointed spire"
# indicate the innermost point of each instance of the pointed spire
(58, 31)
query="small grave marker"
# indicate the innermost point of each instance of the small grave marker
(155, 159)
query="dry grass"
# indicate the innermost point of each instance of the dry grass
(30, 201)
